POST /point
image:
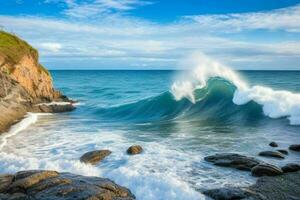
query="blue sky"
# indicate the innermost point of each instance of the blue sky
(146, 34)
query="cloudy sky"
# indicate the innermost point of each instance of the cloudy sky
(157, 34)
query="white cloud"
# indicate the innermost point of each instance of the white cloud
(116, 40)
(95, 8)
(281, 19)
(49, 46)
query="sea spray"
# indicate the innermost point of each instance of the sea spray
(275, 104)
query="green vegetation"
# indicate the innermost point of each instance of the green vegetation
(13, 49)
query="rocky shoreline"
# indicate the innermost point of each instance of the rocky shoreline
(50, 185)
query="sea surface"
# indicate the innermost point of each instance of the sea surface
(178, 118)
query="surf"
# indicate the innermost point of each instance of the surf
(212, 91)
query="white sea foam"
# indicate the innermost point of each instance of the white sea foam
(54, 103)
(275, 104)
(29, 119)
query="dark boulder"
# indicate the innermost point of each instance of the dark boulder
(266, 170)
(226, 193)
(295, 147)
(135, 149)
(291, 167)
(283, 151)
(274, 154)
(233, 160)
(93, 157)
(49, 185)
(273, 144)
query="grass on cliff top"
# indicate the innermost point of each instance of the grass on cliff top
(14, 48)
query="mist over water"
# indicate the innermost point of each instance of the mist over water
(178, 121)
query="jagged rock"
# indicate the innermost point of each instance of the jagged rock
(295, 147)
(274, 154)
(291, 167)
(135, 149)
(93, 157)
(281, 187)
(5, 181)
(283, 151)
(233, 160)
(273, 144)
(266, 170)
(49, 185)
(226, 193)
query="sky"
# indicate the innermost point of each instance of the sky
(157, 34)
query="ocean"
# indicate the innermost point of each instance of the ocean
(176, 116)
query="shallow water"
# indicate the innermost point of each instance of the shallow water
(121, 108)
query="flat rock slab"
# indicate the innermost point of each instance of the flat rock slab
(233, 160)
(93, 157)
(266, 170)
(273, 154)
(50, 185)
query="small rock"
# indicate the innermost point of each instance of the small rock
(135, 149)
(233, 160)
(274, 154)
(295, 147)
(291, 167)
(226, 193)
(283, 151)
(93, 157)
(266, 170)
(273, 144)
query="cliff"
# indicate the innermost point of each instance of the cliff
(24, 82)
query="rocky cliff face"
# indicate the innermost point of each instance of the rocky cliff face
(23, 82)
(20, 62)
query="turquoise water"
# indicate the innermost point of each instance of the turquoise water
(120, 108)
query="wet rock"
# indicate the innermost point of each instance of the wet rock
(135, 149)
(93, 157)
(273, 144)
(291, 167)
(281, 187)
(266, 170)
(283, 151)
(274, 154)
(295, 147)
(226, 193)
(233, 160)
(49, 185)
(5, 181)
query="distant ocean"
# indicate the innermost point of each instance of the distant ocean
(178, 119)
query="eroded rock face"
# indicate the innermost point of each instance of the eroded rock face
(266, 170)
(93, 157)
(135, 149)
(273, 154)
(50, 185)
(233, 160)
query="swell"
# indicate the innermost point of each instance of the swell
(211, 91)
(214, 101)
